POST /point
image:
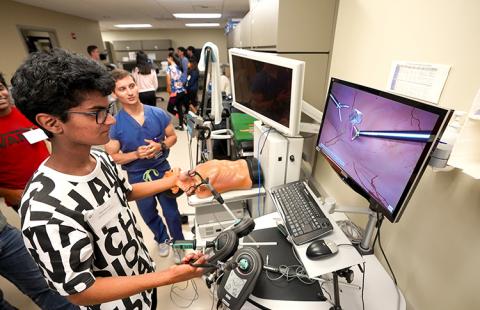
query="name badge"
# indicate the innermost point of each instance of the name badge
(100, 217)
(35, 135)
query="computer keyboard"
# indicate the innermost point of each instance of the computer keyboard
(303, 217)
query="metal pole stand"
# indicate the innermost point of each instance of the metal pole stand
(336, 293)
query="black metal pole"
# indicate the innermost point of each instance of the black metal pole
(336, 293)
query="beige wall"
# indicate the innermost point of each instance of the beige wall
(179, 37)
(434, 248)
(13, 50)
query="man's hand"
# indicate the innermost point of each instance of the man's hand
(150, 150)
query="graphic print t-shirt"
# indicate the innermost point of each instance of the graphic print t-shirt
(81, 227)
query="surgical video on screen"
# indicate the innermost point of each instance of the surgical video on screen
(263, 87)
(376, 141)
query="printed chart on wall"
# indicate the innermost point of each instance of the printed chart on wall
(422, 81)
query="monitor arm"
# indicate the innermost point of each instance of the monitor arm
(315, 114)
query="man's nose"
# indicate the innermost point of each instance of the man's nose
(110, 119)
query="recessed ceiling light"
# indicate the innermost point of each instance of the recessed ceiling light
(197, 15)
(133, 26)
(203, 25)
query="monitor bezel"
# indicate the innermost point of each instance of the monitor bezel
(298, 71)
(422, 163)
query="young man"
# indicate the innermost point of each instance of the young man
(76, 220)
(93, 52)
(18, 161)
(140, 141)
(181, 53)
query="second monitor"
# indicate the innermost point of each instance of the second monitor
(268, 87)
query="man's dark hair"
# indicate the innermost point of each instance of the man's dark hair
(54, 82)
(91, 48)
(182, 49)
(191, 49)
(171, 50)
(2, 80)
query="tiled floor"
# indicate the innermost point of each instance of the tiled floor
(168, 298)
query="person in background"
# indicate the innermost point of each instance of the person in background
(104, 60)
(146, 79)
(93, 52)
(192, 52)
(225, 86)
(192, 85)
(181, 53)
(178, 97)
(18, 161)
(140, 141)
(76, 220)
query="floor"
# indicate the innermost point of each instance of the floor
(169, 297)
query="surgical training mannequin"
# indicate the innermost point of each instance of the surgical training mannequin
(223, 175)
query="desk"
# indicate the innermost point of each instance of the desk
(380, 292)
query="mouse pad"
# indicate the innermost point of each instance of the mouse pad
(280, 254)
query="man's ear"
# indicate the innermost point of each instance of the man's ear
(49, 122)
(113, 95)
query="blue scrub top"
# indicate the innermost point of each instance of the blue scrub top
(131, 135)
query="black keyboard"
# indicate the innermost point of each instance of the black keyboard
(303, 217)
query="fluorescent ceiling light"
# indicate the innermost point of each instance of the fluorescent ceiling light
(197, 15)
(133, 26)
(203, 25)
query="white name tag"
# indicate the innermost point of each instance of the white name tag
(35, 135)
(101, 216)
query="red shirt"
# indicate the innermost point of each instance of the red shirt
(18, 158)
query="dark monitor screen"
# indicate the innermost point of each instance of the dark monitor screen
(380, 141)
(263, 87)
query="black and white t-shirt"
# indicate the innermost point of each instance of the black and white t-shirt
(81, 227)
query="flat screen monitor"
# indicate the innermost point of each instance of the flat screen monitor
(268, 87)
(378, 142)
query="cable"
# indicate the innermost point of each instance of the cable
(386, 259)
(363, 286)
(173, 292)
(353, 232)
(323, 289)
(258, 168)
(213, 295)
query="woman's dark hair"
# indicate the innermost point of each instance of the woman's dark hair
(193, 65)
(144, 64)
(175, 59)
(54, 82)
(2, 80)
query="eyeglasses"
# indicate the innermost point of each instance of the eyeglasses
(100, 115)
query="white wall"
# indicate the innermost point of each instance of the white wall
(12, 48)
(179, 37)
(434, 248)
